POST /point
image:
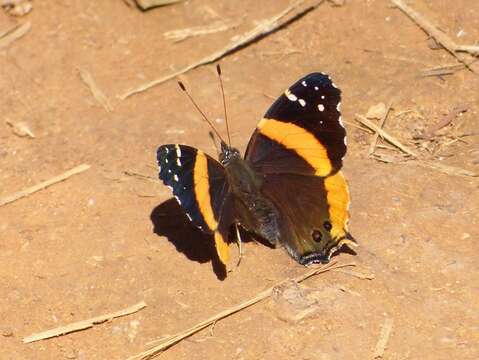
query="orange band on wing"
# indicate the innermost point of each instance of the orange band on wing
(338, 201)
(222, 248)
(299, 140)
(202, 190)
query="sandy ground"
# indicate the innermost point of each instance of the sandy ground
(104, 240)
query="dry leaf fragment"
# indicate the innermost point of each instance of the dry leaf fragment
(149, 4)
(21, 129)
(376, 111)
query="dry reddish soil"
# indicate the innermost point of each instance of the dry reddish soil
(104, 240)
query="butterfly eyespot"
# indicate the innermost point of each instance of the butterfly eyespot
(327, 225)
(317, 236)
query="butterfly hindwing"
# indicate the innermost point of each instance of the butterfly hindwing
(200, 186)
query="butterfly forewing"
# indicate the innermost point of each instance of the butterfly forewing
(302, 131)
(298, 148)
(199, 185)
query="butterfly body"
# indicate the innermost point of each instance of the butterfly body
(288, 188)
(254, 211)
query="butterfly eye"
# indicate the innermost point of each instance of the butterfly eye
(317, 236)
(327, 225)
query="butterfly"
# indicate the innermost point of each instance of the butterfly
(287, 189)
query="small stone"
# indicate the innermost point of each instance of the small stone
(7, 332)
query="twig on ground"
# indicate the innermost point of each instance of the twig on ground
(183, 34)
(28, 191)
(445, 120)
(372, 147)
(385, 135)
(165, 343)
(84, 324)
(439, 36)
(442, 70)
(141, 176)
(264, 28)
(383, 338)
(99, 96)
(16, 33)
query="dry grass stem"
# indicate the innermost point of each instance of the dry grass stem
(84, 324)
(357, 274)
(382, 343)
(141, 176)
(44, 184)
(372, 147)
(165, 343)
(263, 28)
(16, 33)
(99, 96)
(438, 35)
(183, 34)
(471, 49)
(385, 135)
(447, 169)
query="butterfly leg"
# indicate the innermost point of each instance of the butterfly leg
(238, 239)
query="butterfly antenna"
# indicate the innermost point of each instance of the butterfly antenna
(218, 70)
(212, 136)
(182, 87)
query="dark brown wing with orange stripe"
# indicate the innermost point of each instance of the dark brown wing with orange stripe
(298, 147)
(302, 132)
(199, 185)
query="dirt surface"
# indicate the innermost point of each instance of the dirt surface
(104, 240)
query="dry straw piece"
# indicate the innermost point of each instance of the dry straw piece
(265, 27)
(44, 184)
(386, 330)
(99, 96)
(16, 33)
(83, 324)
(441, 38)
(169, 341)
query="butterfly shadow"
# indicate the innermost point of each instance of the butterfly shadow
(169, 220)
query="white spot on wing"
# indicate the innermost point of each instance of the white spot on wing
(189, 217)
(178, 199)
(169, 171)
(178, 161)
(316, 88)
(304, 83)
(175, 177)
(334, 85)
(290, 95)
(167, 150)
(338, 107)
(322, 96)
(321, 107)
(302, 102)
(178, 151)
(341, 122)
(166, 161)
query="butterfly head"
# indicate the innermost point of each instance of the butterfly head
(328, 245)
(228, 153)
